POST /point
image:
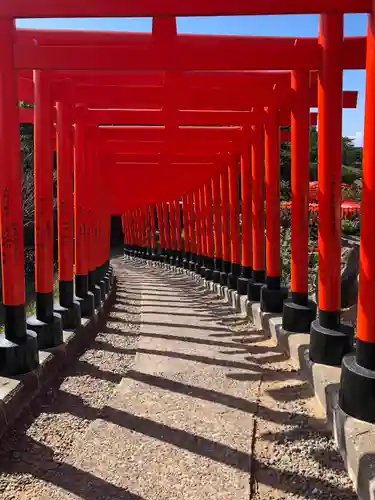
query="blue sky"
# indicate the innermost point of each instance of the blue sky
(355, 25)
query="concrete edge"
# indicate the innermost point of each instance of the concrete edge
(17, 393)
(354, 439)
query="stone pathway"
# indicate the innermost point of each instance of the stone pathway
(178, 399)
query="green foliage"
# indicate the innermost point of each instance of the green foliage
(285, 161)
(285, 254)
(350, 174)
(313, 145)
(351, 154)
(285, 191)
(313, 172)
(350, 226)
(351, 157)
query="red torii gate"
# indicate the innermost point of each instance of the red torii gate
(146, 8)
(329, 341)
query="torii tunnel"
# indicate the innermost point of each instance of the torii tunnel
(179, 135)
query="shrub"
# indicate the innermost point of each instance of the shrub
(350, 226)
(349, 174)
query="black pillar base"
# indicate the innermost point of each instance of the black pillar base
(233, 276)
(48, 334)
(110, 276)
(70, 316)
(107, 285)
(357, 387)
(232, 281)
(216, 276)
(209, 274)
(223, 279)
(203, 268)
(224, 273)
(255, 286)
(18, 359)
(218, 264)
(95, 290)
(197, 268)
(242, 285)
(243, 280)
(102, 287)
(186, 259)
(272, 300)
(87, 305)
(298, 317)
(328, 346)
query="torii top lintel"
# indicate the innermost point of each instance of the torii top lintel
(150, 8)
(87, 51)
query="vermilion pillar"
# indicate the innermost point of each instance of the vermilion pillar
(218, 264)
(234, 225)
(299, 312)
(172, 232)
(272, 294)
(145, 232)
(357, 391)
(91, 202)
(126, 233)
(131, 234)
(19, 349)
(209, 230)
(224, 187)
(46, 323)
(203, 223)
(106, 271)
(107, 247)
(198, 232)
(193, 234)
(135, 232)
(162, 244)
(247, 237)
(85, 298)
(69, 308)
(128, 242)
(187, 231)
(167, 237)
(149, 231)
(97, 209)
(153, 233)
(329, 340)
(177, 209)
(258, 222)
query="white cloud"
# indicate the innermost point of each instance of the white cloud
(358, 139)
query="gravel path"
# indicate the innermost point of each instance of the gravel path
(48, 432)
(260, 422)
(292, 453)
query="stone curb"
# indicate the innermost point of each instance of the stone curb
(354, 439)
(17, 393)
